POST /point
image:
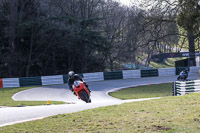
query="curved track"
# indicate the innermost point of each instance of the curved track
(99, 96)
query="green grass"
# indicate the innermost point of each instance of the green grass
(180, 114)
(156, 90)
(7, 93)
(168, 63)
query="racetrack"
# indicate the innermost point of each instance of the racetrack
(12, 115)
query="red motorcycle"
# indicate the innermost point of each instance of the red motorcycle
(81, 91)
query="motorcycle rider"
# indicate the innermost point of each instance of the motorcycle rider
(183, 75)
(73, 77)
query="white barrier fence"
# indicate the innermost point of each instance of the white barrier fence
(185, 87)
(194, 69)
(10, 82)
(98, 76)
(131, 74)
(50, 80)
(93, 76)
(167, 72)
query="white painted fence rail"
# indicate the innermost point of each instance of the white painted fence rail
(194, 69)
(185, 87)
(10, 82)
(50, 80)
(98, 76)
(131, 74)
(166, 72)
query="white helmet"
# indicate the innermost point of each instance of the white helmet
(71, 74)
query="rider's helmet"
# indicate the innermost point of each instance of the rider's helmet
(186, 71)
(71, 74)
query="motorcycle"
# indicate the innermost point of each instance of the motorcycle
(81, 91)
(183, 75)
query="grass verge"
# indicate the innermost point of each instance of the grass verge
(180, 114)
(148, 91)
(168, 63)
(7, 93)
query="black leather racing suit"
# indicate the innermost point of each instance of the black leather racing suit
(71, 82)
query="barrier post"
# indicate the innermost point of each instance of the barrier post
(1, 83)
(199, 74)
(174, 88)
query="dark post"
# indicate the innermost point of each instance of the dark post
(174, 88)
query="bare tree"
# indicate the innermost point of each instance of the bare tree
(154, 33)
(185, 13)
(114, 27)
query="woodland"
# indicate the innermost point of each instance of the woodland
(51, 37)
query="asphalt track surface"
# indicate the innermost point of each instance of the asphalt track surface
(99, 97)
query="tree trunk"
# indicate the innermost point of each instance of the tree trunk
(13, 24)
(191, 38)
(21, 10)
(30, 53)
(111, 64)
(54, 63)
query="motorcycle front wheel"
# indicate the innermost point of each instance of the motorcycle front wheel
(84, 96)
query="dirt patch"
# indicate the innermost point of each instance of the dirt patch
(196, 119)
(161, 128)
(21, 106)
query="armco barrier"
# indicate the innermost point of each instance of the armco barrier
(185, 87)
(149, 73)
(131, 74)
(194, 69)
(65, 78)
(29, 81)
(10, 82)
(167, 72)
(50, 80)
(81, 75)
(98, 76)
(113, 75)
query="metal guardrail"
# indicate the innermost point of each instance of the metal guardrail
(28, 81)
(185, 87)
(98, 76)
(113, 75)
(149, 73)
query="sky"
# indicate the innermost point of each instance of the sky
(125, 2)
